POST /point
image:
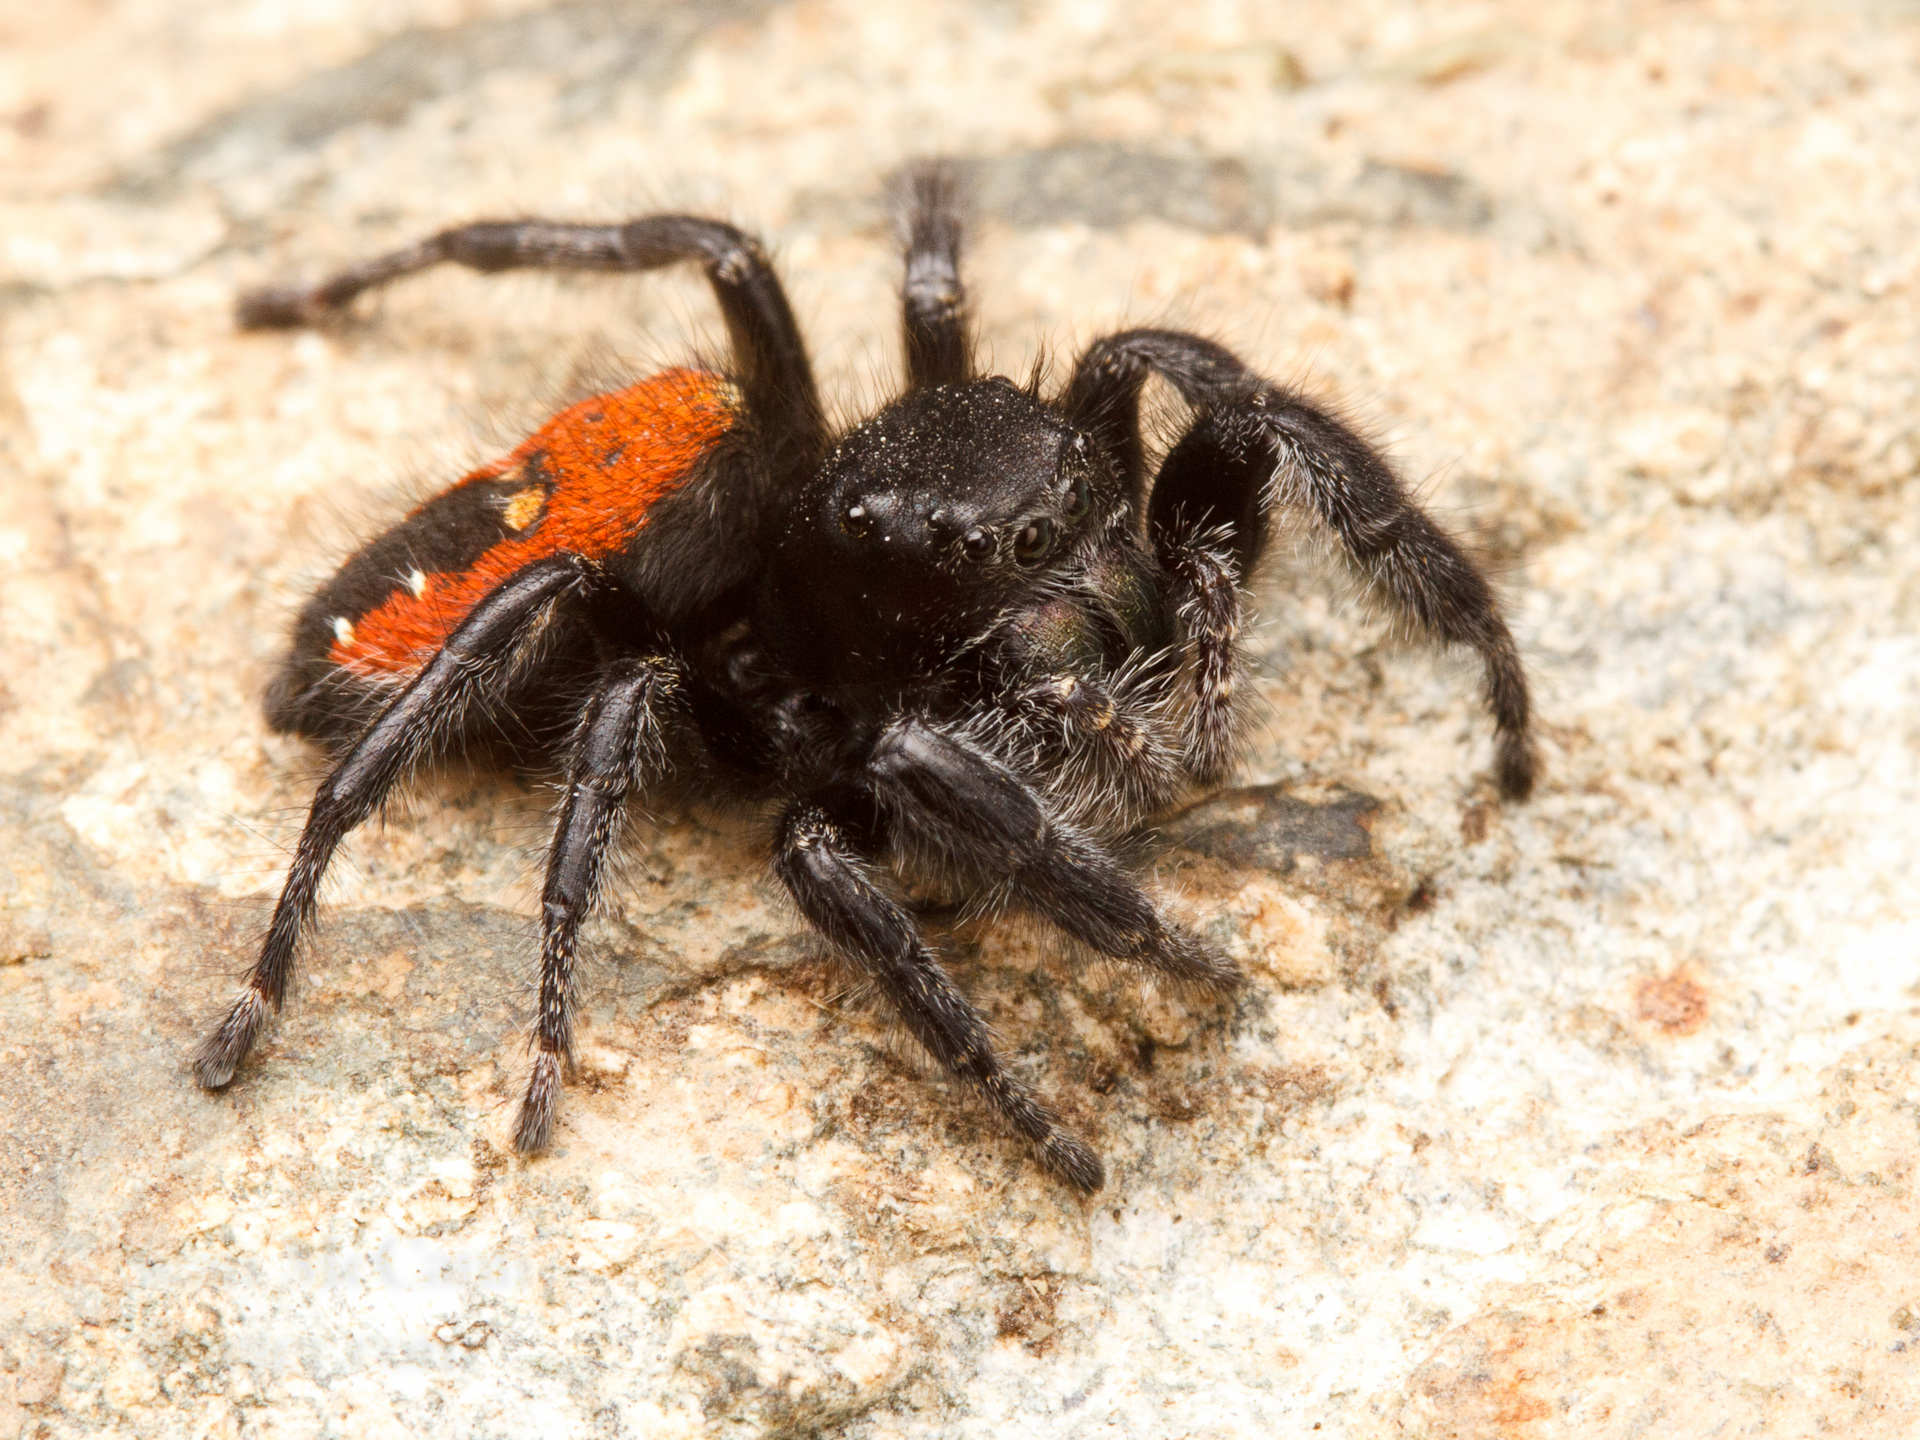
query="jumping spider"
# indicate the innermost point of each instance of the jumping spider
(970, 636)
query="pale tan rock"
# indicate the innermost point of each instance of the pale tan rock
(1586, 1117)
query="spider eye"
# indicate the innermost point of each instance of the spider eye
(856, 520)
(1079, 499)
(977, 543)
(1032, 544)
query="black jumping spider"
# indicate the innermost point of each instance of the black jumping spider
(970, 635)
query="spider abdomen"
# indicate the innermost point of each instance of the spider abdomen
(588, 482)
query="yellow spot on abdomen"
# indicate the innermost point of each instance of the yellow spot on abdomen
(523, 507)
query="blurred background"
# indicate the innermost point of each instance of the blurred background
(1588, 1117)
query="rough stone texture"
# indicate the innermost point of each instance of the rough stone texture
(1595, 1116)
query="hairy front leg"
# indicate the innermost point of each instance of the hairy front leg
(948, 792)
(827, 878)
(1255, 447)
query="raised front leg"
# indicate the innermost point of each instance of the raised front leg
(1256, 446)
(828, 880)
(767, 349)
(950, 795)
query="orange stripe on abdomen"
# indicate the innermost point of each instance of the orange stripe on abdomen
(592, 473)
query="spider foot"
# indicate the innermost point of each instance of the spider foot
(277, 307)
(221, 1052)
(1067, 1157)
(1193, 963)
(1516, 765)
(533, 1131)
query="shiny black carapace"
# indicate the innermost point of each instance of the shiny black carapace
(976, 637)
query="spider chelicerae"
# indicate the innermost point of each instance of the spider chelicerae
(970, 637)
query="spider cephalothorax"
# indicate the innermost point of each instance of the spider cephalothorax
(970, 635)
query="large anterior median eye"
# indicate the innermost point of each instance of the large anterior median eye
(1031, 545)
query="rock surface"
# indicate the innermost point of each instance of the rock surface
(1594, 1116)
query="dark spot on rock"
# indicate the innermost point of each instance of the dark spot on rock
(1424, 896)
(21, 941)
(1384, 994)
(871, 1110)
(1474, 823)
(1145, 1055)
(1673, 1004)
(31, 123)
(1263, 827)
(1029, 1313)
(488, 1161)
(1175, 1105)
(1776, 1253)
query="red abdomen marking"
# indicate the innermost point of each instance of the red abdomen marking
(582, 483)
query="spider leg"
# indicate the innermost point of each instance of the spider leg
(777, 376)
(1257, 445)
(1113, 737)
(618, 747)
(1210, 608)
(407, 729)
(828, 880)
(933, 301)
(953, 795)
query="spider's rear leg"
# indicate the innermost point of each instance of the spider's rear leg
(828, 881)
(420, 717)
(950, 794)
(1255, 446)
(618, 748)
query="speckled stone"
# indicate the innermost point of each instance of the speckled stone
(1590, 1117)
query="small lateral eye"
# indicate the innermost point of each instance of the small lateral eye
(856, 521)
(1032, 544)
(977, 543)
(1079, 499)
